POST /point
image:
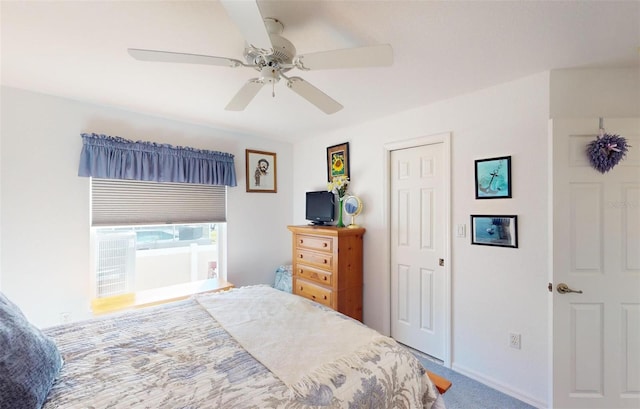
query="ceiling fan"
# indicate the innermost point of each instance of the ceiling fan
(273, 56)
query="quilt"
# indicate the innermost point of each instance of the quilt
(179, 355)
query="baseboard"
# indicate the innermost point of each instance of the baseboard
(499, 386)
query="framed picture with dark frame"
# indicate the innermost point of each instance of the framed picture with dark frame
(493, 178)
(494, 230)
(338, 161)
(261, 171)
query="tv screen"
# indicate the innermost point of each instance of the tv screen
(320, 207)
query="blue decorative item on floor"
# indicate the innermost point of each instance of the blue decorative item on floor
(284, 281)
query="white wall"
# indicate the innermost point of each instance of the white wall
(495, 290)
(594, 93)
(45, 205)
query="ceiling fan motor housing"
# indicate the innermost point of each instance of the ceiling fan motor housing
(283, 53)
(283, 50)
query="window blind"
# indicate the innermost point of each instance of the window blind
(117, 202)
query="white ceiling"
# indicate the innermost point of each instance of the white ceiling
(442, 49)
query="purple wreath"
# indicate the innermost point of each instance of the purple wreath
(606, 151)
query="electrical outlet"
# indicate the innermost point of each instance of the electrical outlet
(514, 340)
(65, 317)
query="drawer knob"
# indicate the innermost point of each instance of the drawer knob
(324, 278)
(325, 244)
(325, 261)
(313, 296)
(300, 256)
(325, 297)
(301, 241)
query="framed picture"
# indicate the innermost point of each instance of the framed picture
(338, 161)
(501, 231)
(493, 178)
(261, 171)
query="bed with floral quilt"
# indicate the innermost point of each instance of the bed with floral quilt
(250, 347)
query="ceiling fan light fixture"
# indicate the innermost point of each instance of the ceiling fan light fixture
(269, 75)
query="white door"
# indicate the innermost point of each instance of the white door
(596, 250)
(417, 246)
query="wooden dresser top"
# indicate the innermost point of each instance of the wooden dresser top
(327, 230)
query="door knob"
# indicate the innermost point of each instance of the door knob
(564, 289)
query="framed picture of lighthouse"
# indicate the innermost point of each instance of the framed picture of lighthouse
(491, 230)
(493, 178)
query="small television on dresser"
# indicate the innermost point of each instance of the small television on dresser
(320, 207)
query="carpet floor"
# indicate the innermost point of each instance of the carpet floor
(465, 393)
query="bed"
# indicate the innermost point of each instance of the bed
(250, 347)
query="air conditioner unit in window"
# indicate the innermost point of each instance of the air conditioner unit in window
(115, 260)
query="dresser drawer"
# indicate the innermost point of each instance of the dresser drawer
(317, 243)
(313, 292)
(321, 260)
(313, 274)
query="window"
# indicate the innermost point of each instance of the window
(149, 235)
(129, 259)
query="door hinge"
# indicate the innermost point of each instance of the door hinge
(441, 262)
(550, 287)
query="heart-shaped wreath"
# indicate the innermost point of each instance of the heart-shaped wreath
(606, 151)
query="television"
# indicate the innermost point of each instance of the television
(320, 207)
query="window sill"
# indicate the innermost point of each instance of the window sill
(157, 296)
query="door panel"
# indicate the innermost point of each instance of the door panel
(596, 247)
(587, 324)
(631, 234)
(630, 357)
(586, 204)
(428, 298)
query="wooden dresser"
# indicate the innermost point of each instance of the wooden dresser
(327, 266)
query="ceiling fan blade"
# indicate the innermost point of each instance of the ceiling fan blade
(240, 101)
(246, 16)
(372, 56)
(312, 94)
(169, 56)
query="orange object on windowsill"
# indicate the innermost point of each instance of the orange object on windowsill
(156, 296)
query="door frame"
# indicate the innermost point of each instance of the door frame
(445, 139)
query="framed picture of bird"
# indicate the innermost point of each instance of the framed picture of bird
(494, 230)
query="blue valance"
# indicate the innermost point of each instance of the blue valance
(111, 157)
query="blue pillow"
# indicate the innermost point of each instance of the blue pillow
(283, 281)
(29, 360)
